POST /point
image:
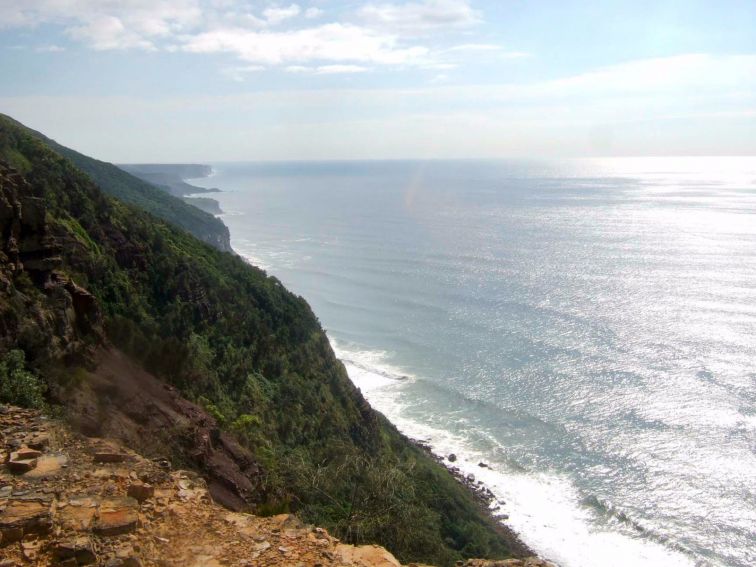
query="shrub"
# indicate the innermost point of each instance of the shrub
(19, 386)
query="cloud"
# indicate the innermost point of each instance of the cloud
(386, 34)
(330, 42)
(277, 15)
(420, 18)
(475, 47)
(49, 49)
(106, 24)
(690, 103)
(327, 69)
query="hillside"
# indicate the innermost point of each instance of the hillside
(172, 179)
(129, 189)
(97, 295)
(170, 176)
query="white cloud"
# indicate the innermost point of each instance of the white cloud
(329, 42)
(381, 34)
(420, 18)
(676, 105)
(106, 24)
(340, 69)
(475, 47)
(49, 49)
(327, 69)
(276, 15)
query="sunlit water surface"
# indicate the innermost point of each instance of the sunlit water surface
(586, 327)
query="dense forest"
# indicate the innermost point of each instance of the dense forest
(227, 335)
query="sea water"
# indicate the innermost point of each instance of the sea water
(586, 328)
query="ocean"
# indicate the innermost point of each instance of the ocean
(586, 328)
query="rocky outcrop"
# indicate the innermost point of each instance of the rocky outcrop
(25, 241)
(110, 506)
(30, 259)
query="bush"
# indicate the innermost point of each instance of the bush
(19, 386)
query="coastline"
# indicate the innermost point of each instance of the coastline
(543, 506)
(175, 180)
(489, 505)
(485, 498)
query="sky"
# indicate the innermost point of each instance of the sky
(235, 80)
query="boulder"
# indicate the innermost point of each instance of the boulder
(25, 453)
(117, 516)
(25, 515)
(21, 466)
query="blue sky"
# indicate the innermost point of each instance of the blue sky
(216, 80)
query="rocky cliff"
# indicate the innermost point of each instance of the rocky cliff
(63, 311)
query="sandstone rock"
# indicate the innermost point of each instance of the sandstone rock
(287, 521)
(38, 440)
(80, 549)
(78, 514)
(20, 466)
(140, 491)
(30, 549)
(108, 455)
(25, 515)
(117, 516)
(25, 453)
(366, 556)
(47, 466)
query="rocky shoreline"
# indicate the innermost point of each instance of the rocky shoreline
(487, 500)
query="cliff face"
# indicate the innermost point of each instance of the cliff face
(146, 334)
(115, 396)
(62, 312)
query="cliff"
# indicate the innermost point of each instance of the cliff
(135, 330)
(129, 189)
(171, 177)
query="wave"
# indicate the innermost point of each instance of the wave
(544, 507)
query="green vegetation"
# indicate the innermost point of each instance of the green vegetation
(236, 341)
(18, 385)
(129, 189)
